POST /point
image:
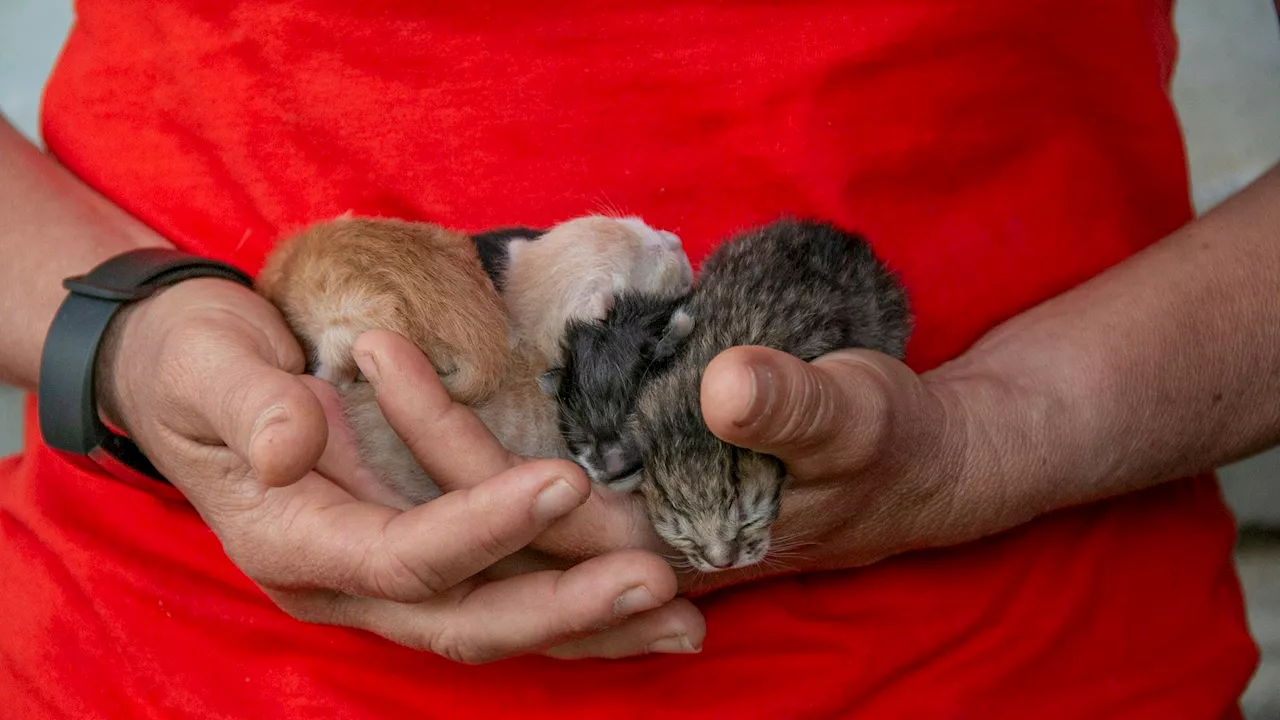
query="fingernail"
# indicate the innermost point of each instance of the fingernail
(637, 599)
(678, 644)
(272, 415)
(368, 364)
(557, 499)
(761, 395)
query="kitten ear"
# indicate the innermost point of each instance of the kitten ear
(678, 329)
(549, 381)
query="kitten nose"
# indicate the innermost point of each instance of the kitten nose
(615, 458)
(721, 555)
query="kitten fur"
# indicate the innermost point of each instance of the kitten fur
(571, 272)
(338, 279)
(605, 366)
(577, 268)
(803, 287)
(492, 245)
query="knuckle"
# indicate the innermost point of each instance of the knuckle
(395, 578)
(435, 420)
(251, 563)
(810, 409)
(494, 546)
(583, 625)
(875, 390)
(307, 612)
(489, 538)
(455, 646)
(868, 394)
(321, 608)
(254, 535)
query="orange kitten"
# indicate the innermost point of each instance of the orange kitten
(341, 278)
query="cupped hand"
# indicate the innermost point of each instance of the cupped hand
(203, 376)
(878, 457)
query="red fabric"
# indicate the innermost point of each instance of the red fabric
(997, 152)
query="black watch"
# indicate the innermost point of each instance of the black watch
(66, 399)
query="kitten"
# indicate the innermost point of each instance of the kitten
(802, 287)
(572, 271)
(605, 366)
(338, 279)
(575, 270)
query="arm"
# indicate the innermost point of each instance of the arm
(204, 377)
(1165, 365)
(51, 226)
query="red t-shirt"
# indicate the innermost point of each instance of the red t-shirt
(997, 152)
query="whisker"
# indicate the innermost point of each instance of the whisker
(790, 543)
(787, 555)
(774, 564)
(677, 561)
(607, 208)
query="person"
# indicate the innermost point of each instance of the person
(1020, 521)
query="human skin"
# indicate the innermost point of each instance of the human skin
(1176, 351)
(206, 378)
(883, 460)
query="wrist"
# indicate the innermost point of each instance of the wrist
(72, 361)
(1017, 446)
(109, 378)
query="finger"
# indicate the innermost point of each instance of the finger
(812, 416)
(457, 450)
(608, 521)
(676, 627)
(453, 446)
(482, 622)
(311, 535)
(340, 461)
(219, 375)
(265, 415)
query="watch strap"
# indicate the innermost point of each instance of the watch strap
(67, 403)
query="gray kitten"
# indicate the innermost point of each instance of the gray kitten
(606, 363)
(802, 287)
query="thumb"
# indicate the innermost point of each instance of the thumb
(269, 418)
(818, 418)
(230, 372)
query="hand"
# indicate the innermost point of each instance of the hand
(459, 452)
(874, 454)
(877, 456)
(202, 376)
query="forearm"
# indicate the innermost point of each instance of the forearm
(51, 226)
(1166, 365)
